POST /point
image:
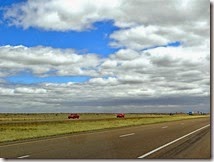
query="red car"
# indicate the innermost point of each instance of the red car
(73, 116)
(121, 115)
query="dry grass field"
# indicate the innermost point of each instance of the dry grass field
(26, 126)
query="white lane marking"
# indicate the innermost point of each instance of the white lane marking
(22, 157)
(125, 135)
(161, 147)
(165, 127)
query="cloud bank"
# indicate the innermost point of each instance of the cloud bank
(146, 73)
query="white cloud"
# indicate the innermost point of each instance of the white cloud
(27, 90)
(6, 91)
(165, 70)
(139, 37)
(125, 54)
(109, 64)
(41, 60)
(102, 81)
(60, 15)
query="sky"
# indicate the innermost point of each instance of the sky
(104, 56)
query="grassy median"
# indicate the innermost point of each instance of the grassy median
(25, 126)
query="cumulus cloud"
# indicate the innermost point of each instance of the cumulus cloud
(154, 73)
(125, 54)
(103, 96)
(102, 81)
(41, 60)
(140, 26)
(138, 37)
(141, 36)
(6, 91)
(64, 15)
(60, 15)
(27, 90)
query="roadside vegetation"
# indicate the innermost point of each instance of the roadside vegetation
(26, 126)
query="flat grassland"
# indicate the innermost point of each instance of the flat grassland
(28, 126)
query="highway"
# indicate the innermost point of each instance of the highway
(170, 140)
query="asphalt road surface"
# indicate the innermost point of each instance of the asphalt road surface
(171, 140)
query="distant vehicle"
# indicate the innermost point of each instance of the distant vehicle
(202, 113)
(190, 113)
(171, 114)
(73, 116)
(121, 115)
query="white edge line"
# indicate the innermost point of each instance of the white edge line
(161, 147)
(1, 160)
(130, 134)
(22, 157)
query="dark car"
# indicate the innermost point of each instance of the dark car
(121, 115)
(73, 116)
(190, 113)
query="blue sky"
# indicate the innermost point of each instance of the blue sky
(28, 78)
(95, 40)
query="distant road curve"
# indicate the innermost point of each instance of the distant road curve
(121, 143)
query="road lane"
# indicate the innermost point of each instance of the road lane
(174, 141)
(104, 144)
(195, 146)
